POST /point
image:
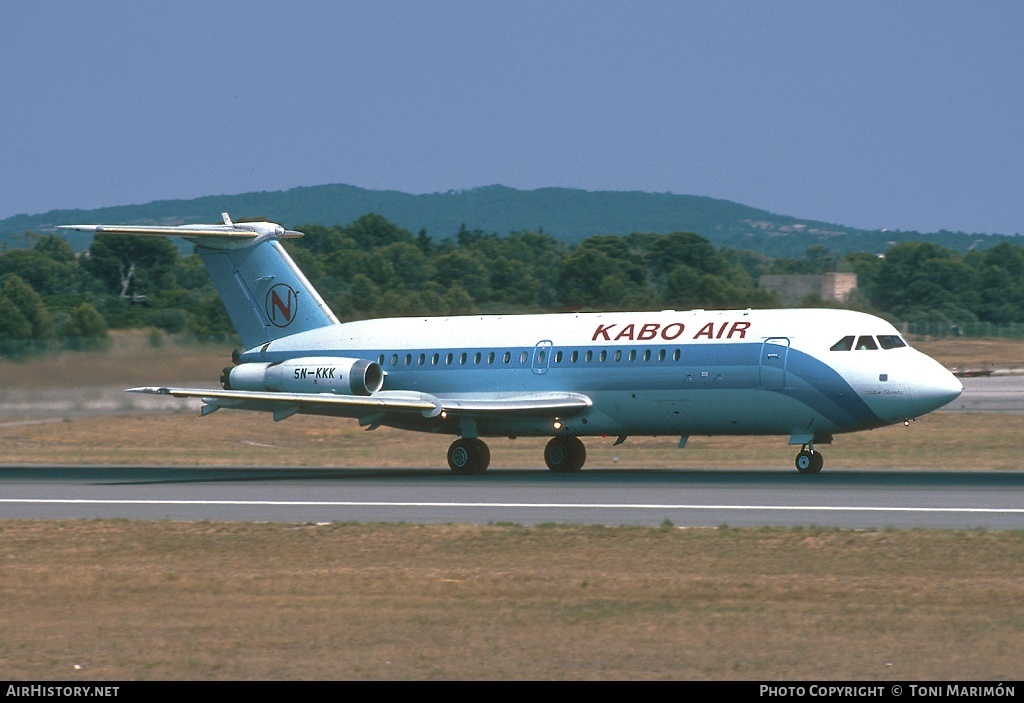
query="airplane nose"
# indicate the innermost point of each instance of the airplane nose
(934, 389)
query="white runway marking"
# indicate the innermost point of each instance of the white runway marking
(560, 506)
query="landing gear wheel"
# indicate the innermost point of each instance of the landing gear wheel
(565, 454)
(809, 461)
(468, 457)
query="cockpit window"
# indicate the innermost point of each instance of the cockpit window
(890, 341)
(885, 341)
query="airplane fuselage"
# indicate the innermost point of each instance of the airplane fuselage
(733, 372)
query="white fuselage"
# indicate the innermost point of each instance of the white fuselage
(669, 372)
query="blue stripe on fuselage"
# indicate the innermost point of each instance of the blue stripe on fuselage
(707, 366)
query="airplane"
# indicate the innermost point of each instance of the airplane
(808, 374)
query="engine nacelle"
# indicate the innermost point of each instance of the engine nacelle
(315, 374)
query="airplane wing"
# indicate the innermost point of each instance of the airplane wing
(285, 405)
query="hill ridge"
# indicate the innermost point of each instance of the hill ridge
(566, 214)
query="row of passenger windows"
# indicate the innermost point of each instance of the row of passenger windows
(885, 341)
(523, 357)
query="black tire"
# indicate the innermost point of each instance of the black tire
(808, 462)
(468, 457)
(565, 454)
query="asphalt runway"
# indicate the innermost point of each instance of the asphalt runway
(839, 498)
(999, 393)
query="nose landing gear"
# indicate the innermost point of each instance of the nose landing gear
(809, 461)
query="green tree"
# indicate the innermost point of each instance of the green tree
(466, 269)
(683, 248)
(15, 329)
(922, 275)
(373, 230)
(31, 307)
(130, 266)
(45, 275)
(85, 328)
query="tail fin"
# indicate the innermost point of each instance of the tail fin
(265, 293)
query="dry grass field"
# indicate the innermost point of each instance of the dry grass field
(200, 601)
(122, 600)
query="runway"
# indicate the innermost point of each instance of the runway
(871, 499)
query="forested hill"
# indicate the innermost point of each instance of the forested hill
(566, 214)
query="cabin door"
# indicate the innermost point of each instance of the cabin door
(542, 357)
(773, 363)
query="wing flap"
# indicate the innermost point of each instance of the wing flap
(542, 404)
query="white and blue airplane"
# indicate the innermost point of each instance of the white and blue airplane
(807, 374)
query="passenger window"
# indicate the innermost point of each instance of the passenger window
(523, 357)
(602, 356)
(647, 354)
(574, 357)
(394, 359)
(433, 360)
(490, 358)
(661, 355)
(589, 357)
(844, 344)
(618, 355)
(632, 354)
(890, 341)
(675, 355)
(558, 357)
(866, 342)
(408, 359)
(476, 358)
(507, 358)
(462, 359)
(448, 359)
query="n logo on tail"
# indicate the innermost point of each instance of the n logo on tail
(282, 305)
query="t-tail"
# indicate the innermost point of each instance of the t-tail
(265, 293)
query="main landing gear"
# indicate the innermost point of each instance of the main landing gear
(470, 456)
(809, 461)
(565, 454)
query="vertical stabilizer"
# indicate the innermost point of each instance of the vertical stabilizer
(265, 293)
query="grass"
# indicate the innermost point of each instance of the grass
(136, 600)
(124, 600)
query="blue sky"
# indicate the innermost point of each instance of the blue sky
(875, 114)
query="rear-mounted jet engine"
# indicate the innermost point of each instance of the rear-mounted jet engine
(328, 374)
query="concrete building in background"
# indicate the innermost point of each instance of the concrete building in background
(794, 288)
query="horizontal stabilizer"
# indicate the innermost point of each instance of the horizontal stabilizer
(227, 231)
